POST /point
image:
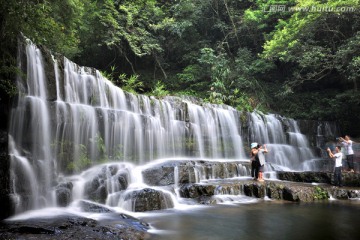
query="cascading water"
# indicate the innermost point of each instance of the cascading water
(32, 166)
(80, 119)
(288, 148)
(75, 121)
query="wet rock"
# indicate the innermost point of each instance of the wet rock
(115, 226)
(159, 176)
(354, 193)
(351, 179)
(348, 179)
(64, 194)
(96, 189)
(307, 177)
(211, 169)
(123, 180)
(87, 206)
(299, 193)
(229, 189)
(277, 190)
(196, 190)
(148, 199)
(254, 190)
(163, 174)
(7, 208)
(49, 73)
(189, 171)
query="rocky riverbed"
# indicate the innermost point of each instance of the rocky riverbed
(110, 225)
(202, 182)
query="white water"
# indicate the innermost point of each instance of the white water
(81, 128)
(288, 148)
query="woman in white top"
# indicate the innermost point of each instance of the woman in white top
(347, 143)
(338, 165)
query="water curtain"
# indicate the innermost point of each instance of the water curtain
(68, 118)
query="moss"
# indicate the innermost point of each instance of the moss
(320, 193)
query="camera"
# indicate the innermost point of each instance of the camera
(338, 139)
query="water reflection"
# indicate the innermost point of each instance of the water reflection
(262, 220)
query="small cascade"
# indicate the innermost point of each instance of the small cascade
(229, 190)
(288, 147)
(145, 199)
(325, 133)
(208, 123)
(30, 137)
(176, 181)
(231, 195)
(266, 197)
(220, 170)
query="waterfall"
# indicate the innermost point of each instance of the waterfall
(288, 148)
(74, 130)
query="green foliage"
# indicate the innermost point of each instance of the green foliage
(110, 75)
(159, 90)
(7, 71)
(298, 62)
(100, 144)
(131, 84)
(82, 163)
(320, 193)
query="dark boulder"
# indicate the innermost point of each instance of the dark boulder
(196, 190)
(164, 174)
(87, 206)
(254, 190)
(64, 194)
(306, 177)
(354, 193)
(108, 177)
(116, 226)
(148, 199)
(6, 203)
(191, 171)
(351, 179)
(348, 179)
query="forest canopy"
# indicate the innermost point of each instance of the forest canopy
(299, 58)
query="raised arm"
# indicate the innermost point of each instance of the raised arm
(344, 141)
(331, 155)
(265, 149)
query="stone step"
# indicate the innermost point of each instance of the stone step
(349, 179)
(274, 189)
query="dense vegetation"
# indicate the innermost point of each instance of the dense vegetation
(298, 58)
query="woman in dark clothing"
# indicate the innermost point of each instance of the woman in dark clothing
(255, 163)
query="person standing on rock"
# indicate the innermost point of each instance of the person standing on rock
(338, 165)
(347, 143)
(261, 156)
(254, 161)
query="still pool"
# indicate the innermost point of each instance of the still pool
(265, 220)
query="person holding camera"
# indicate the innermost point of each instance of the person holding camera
(254, 161)
(257, 161)
(261, 150)
(349, 152)
(338, 165)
